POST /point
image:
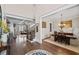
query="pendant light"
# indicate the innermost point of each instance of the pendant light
(61, 24)
(34, 12)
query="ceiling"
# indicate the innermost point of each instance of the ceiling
(31, 10)
(37, 10)
(67, 14)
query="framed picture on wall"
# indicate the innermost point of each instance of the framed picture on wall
(43, 24)
(68, 23)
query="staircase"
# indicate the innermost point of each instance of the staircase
(31, 31)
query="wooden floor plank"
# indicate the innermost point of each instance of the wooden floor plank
(24, 47)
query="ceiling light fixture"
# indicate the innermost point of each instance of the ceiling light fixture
(61, 24)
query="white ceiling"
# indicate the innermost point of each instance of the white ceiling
(46, 8)
(28, 10)
(67, 14)
(20, 10)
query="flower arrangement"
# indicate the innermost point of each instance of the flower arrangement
(4, 26)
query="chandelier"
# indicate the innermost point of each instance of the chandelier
(61, 24)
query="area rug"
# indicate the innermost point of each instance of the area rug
(38, 52)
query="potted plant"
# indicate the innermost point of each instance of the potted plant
(5, 27)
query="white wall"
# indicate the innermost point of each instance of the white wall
(75, 23)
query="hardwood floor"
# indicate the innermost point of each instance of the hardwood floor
(21, 48)
(57, 50)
